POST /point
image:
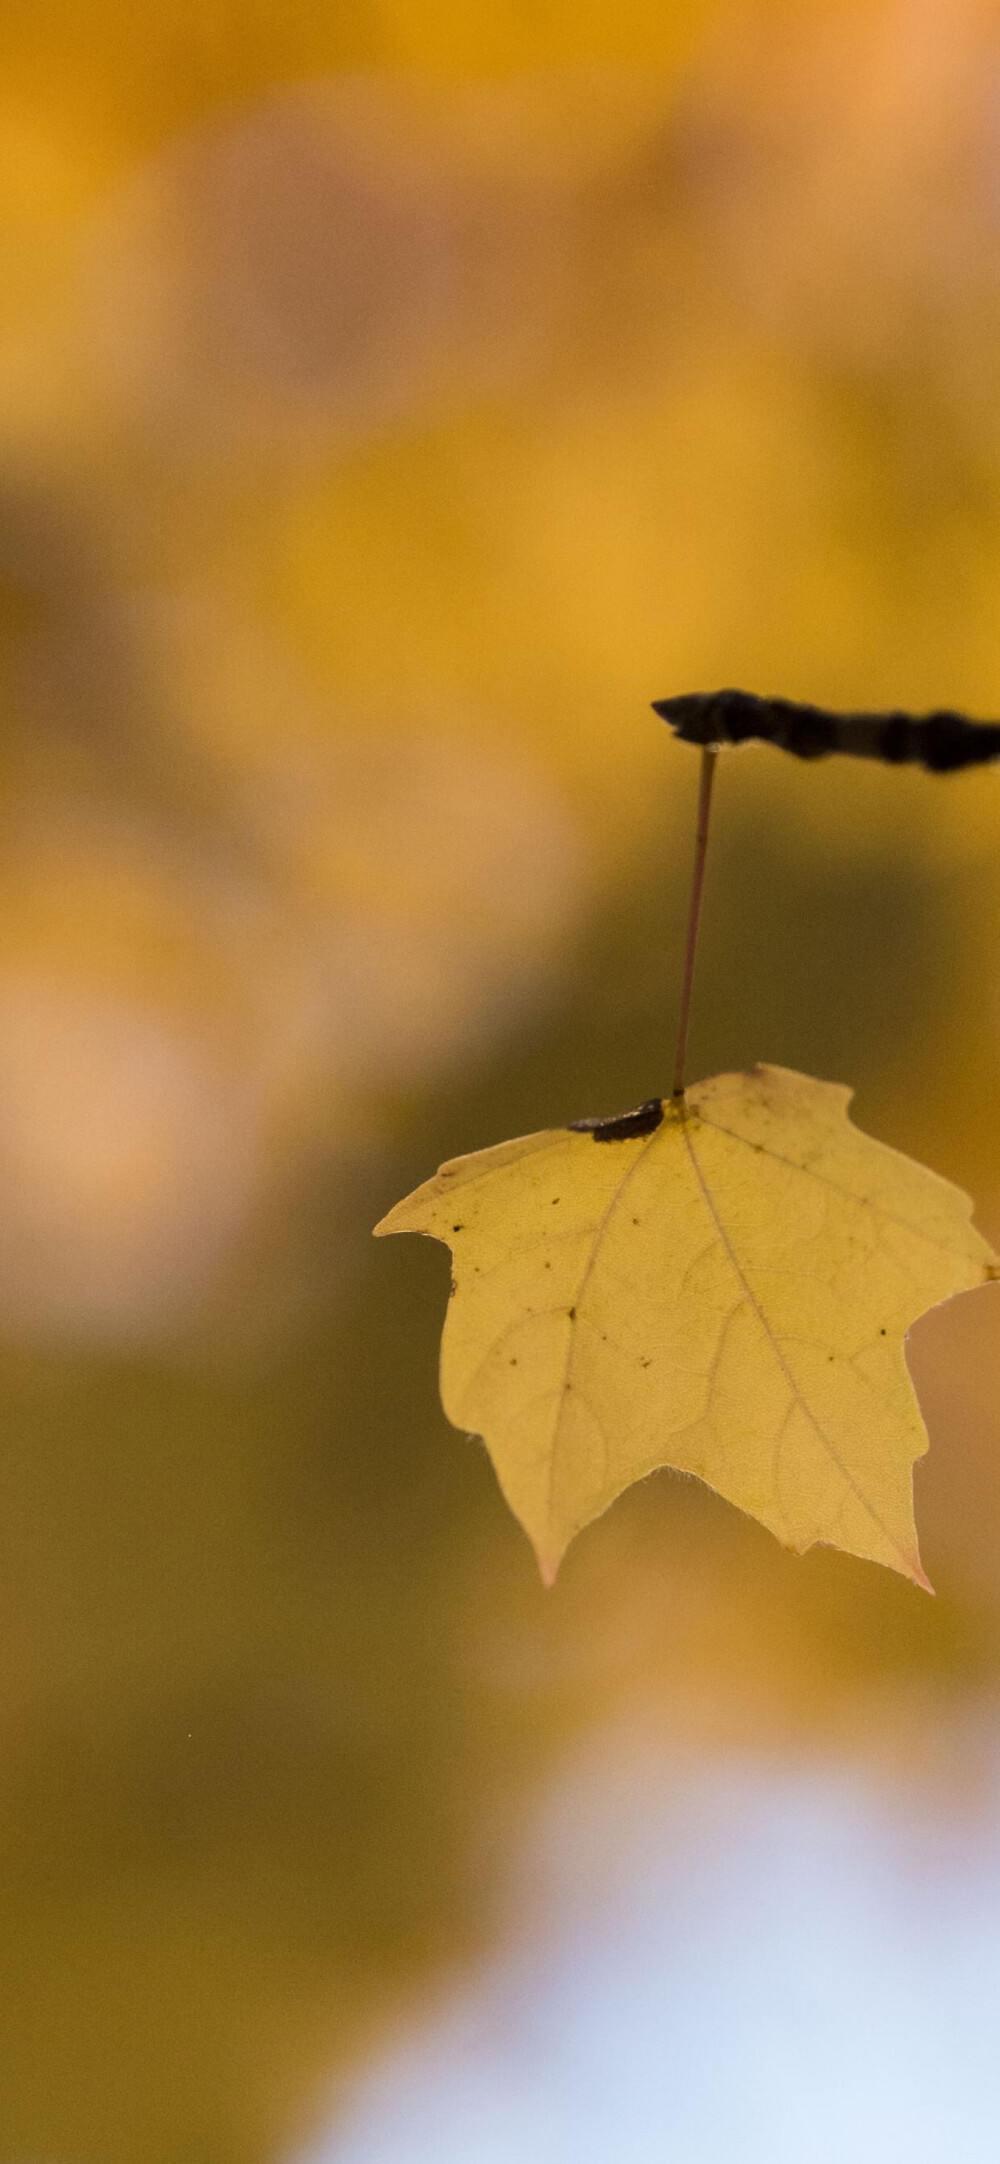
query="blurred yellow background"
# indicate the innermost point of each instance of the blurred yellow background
(393, 400)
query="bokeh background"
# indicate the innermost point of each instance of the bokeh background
(395, 398)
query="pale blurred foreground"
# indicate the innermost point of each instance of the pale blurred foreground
(745, 1958)
(391, 408)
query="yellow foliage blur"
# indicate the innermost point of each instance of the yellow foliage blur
(394, 400)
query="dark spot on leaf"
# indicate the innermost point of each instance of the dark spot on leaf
(456, 1228)
(513, 1360)
(644, 1363)
(881, 1333)
(555, 1199)
(621, 1126)
(572, 1314)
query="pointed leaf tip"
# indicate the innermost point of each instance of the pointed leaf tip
(915, 1571)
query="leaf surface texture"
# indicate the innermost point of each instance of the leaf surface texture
(726, 1294)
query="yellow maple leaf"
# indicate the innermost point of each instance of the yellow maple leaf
(720, 1282)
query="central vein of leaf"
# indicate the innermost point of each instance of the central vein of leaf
(755, 1306)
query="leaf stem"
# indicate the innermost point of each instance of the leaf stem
(710, 753)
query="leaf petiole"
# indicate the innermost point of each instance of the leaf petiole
(710, 753)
